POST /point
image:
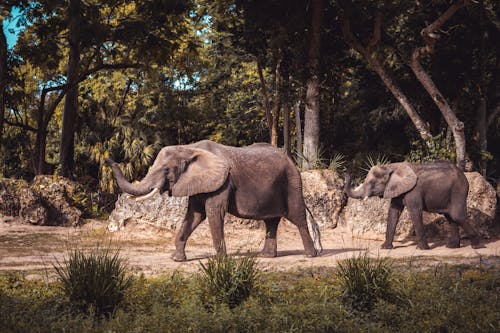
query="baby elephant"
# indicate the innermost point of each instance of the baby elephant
(438, 187)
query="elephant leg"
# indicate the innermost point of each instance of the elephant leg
(475, 239)
(416, 217)
(194, 216)
(454, 237)
(215, 216)
(270, 245)
(392, 221)
(299, 219)
(458, 213)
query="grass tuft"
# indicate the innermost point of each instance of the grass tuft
(227, 280)
(95, 282)
(364, 280)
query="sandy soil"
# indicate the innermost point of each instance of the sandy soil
(34, 250)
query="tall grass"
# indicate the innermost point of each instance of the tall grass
(227, 280)
(364, 280)
(97, 281)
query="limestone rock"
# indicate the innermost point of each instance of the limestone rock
(9, 200)
(160, 211)
(324, 195)
(368, 218)
(48, 200)
(32, 207)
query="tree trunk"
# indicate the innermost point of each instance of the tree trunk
(286, 113)
(430, 37)
(43, 119)
(480, 135)
(265, 96)
(312, 110)
(3, 78)
(456, 126)
(298, 132)
(66, 152)
(421, 126)
(370, 56)
(275, 111)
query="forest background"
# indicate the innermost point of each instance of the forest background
(333, 83)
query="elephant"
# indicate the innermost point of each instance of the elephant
(438, 187)
(253, 182)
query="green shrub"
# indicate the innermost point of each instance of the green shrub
(438, 148)
(364, 280)
(338, 163)
(372, 160)
(227, 280)
(97, 281)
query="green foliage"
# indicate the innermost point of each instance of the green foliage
(452, 298)
(319, 161)
(371, 161)
(338, 163)
(227, 280)
(97, 281)
(438, 148)
(364, 280)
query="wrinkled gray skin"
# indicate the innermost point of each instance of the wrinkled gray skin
(438, 187)
(254, 182)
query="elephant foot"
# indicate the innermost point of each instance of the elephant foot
(475, 243)
(267, 254)
(312, 254)
(423, 246)
(453, 244)
(179, 257)
(387, 246)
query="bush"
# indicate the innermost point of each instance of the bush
(226, 280)
(97, 281)
(364, 280)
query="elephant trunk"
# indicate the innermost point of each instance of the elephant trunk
(357, 193)
(142, 188)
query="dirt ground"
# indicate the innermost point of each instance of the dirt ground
(34, 250)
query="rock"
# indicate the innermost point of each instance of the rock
(32, 207)
(481, 203)
(324, 196)
(9, 200)
(48, 200)
(368, 218)
(160, 211)
(66, 200)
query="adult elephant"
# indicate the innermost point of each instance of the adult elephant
(438, 187)
(254, 182)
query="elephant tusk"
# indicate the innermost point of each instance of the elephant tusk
(358, 187)
(365, 198)
(144, 197)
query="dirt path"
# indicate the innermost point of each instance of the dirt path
(34, 250)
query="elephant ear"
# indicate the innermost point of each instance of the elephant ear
(205, 172)
(402, 180)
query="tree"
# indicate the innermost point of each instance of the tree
(3, 74)
(67, 148)
(430, 36)
(370, 54)
(312, 111)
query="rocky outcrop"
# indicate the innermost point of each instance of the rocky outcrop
(48, 200)
(368, 218)
(160, 211)
(323, 194)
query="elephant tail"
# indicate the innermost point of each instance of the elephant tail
(314, 228)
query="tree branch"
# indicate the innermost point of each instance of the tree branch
(377, 28)
(20, 125)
